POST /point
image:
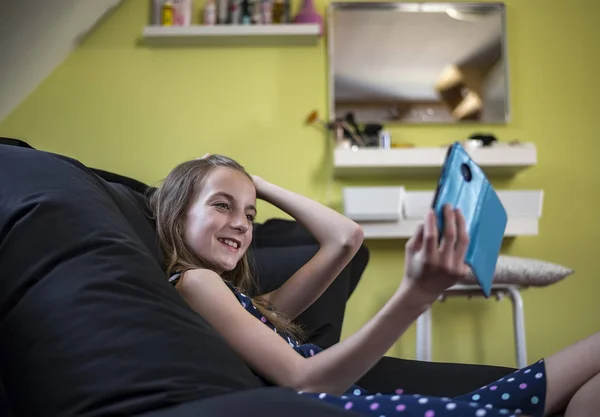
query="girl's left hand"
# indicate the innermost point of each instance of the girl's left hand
(430, 268)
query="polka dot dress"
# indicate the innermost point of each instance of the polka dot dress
(519, 394)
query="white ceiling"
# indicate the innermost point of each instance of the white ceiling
(398, 55)
(36, 36)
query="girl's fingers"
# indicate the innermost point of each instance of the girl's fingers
(462, 240)
(430, 236)
(448, 238)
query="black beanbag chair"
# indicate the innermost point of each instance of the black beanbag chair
(89, 324)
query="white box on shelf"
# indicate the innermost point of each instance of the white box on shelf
(368, 204)
(376, 208)
(522, 203)
(518, 203)
(416, 203)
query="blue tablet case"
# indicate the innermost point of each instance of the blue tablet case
(463, 185)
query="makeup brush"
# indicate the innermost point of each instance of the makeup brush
(358, 139)
(352, 122)
(313, 117)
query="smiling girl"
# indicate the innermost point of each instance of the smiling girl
(204, 212)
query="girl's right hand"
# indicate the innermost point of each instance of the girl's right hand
(431, 268)
(259, 185)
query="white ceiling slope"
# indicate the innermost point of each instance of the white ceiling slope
(36, 36)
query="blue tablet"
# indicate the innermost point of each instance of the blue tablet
(463, 185)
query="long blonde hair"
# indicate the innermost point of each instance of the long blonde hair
(169, 204)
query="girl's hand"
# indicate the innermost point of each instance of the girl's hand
(259, 184)
(430, 268)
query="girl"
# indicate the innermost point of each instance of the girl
(204, 212)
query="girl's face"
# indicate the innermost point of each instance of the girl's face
(218, 224)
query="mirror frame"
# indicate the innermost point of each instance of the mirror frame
(416, 7)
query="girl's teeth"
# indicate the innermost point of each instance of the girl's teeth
(230, 243)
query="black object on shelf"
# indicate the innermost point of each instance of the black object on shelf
(371, 133)
(486, 138)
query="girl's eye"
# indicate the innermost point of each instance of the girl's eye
(250, 217)
(223, 205)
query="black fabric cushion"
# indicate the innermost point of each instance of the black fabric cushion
(288, 245)
(4, 407)
(322, 321)
(88, 322)
(269, 234)
(108, 176)
(278, 263)
(439, 379)
(265, 402)
(280, 248)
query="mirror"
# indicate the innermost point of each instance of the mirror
(418, 62)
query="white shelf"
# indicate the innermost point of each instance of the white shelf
(394, 213)
(497, 160)
(279, 34)
(404, 229)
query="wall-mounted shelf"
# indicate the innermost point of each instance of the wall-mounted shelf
(497, 160)
(404, 229)
(280, 34)
(394, 213)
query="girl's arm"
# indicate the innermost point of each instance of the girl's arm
(429, 270)
(332, 371)
(339, 239)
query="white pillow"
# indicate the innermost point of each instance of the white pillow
(525, 272)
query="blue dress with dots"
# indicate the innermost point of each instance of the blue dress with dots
(521, 393)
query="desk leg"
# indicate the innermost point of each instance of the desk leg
(519, 324)
(424, 336)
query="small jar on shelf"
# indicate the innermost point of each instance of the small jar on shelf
(210, 13)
